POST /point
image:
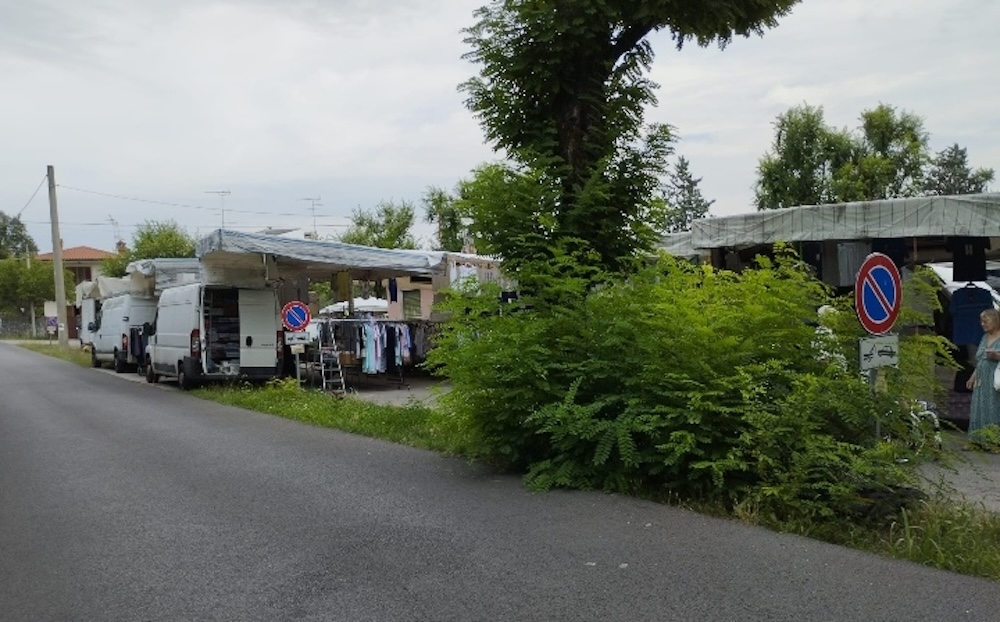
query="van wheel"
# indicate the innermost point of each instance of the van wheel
(182, 380)
(93, 358)
(151, 376)
(119, 363)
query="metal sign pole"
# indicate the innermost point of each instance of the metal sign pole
(872, 381)
(878, 294)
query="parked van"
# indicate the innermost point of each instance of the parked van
(89, 308)
(115, 329)
(204, 333)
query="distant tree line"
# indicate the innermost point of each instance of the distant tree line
(888, 156)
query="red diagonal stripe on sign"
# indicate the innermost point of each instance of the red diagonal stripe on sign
(870, 280)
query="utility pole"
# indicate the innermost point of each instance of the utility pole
(27, 261)
(315, 203)
(57, 263)
(222, 201)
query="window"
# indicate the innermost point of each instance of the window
(411, 304)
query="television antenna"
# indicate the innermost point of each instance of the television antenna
(222, 202)
(314, 201)
(115, 230)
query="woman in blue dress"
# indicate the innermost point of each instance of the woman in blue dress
(986, 399)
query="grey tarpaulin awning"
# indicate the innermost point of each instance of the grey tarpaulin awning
(224, 249)
(152, 276)
(974, 215)
(679, 245)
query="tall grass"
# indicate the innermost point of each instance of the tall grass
(413, 424)
(73, 355)
(958, 536)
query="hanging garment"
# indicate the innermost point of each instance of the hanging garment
(370, 365)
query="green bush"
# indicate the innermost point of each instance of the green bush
(986, 438)
(681, 379)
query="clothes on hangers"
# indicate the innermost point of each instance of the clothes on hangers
(379, 345)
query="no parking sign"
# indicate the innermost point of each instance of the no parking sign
(295, 316)
(878, 293)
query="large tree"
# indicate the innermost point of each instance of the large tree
(891, 154)
(950, 174)
(152, 240)
(14, 238)
(387, 226)
(685, 202)
(804, 157)
(562, 90)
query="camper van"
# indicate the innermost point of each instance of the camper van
(115, 330)
(208, 333)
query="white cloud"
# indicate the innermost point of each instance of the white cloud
(357, 101)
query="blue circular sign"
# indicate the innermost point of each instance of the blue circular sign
(295, 316)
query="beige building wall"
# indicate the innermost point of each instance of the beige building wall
(408, 289)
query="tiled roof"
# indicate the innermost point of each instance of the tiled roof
(78, 253)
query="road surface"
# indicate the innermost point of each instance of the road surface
(126, 501)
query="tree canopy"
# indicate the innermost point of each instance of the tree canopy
(950, 174)
(152, 240)
(387, 226)
(440, 208)
(887, 156)
(562, 89)
(22, 285)
(683, 197)
(14, 238)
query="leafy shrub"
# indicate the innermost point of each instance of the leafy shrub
(986, 438)
(684, 379)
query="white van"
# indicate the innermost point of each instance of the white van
(204, 333)
(115, 330)
(89, 308)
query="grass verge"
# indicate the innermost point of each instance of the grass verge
(414, 424)
(73, 355)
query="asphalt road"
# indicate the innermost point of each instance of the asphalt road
(126, 501)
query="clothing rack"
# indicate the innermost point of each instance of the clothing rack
(370, 349)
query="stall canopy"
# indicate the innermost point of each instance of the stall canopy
(224, 250)
(361, 305)
(974, 215)
(102, 287)
(152, 276)
(679, 245)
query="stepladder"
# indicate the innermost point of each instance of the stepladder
(331, 371)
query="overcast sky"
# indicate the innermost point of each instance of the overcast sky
(165, 102)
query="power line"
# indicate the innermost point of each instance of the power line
(40, 184)
(134, 225)
(118, 196)
(185, 205)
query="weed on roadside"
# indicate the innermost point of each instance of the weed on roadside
(413, 424)
(73, 355)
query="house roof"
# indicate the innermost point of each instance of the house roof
(78, 253)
